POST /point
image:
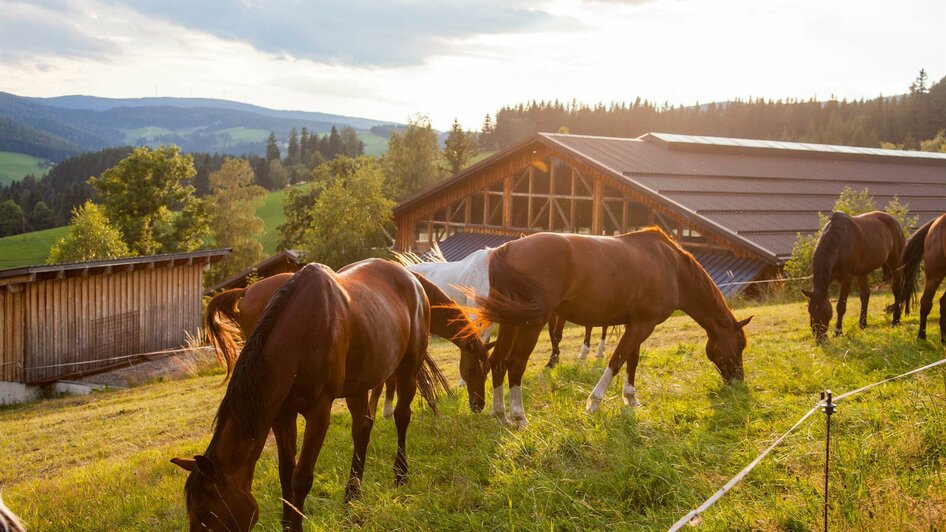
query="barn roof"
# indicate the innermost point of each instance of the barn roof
(759, 193)
(31, 273)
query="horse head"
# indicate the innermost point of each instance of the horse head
(725, 349)
(819, 312)
(213, 503)
(474, 367)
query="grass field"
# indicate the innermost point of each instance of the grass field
(29, 249)
(14, 166)
(100, 462)
(374, 144)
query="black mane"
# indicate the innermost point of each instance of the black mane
(827, 249)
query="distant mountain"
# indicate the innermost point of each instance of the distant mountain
(57, 128)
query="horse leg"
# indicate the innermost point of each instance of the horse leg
(317, 419)
(585, 344)
(389, 388)
(926, 302)
(863, 289)
(497, 362)
(406, 388)
(556, 325)
(604, 336)
(525, 343)
(842, 303)
(284, 429)
(362, 419)
(896, 282)
(628, 348)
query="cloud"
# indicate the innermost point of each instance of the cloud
(28, 30)
(365, 33)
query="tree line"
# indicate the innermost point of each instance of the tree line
(903, 121)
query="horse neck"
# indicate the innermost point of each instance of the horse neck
(235, 454)
(701, 299)
(824, 260)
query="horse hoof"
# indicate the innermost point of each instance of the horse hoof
(838, 332)
(352, 490)
(400, 478)
(592, 405)
(583, 354)
(387, 412)
(518, 420)
(551, 364)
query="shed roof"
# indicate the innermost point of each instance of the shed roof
(31, 273)
(760, 194)
(294, 256)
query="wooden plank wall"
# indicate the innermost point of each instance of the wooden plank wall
(58, 327)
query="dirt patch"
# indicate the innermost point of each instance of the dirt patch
(167, 367)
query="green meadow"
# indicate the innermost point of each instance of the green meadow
(14, 166)
(100, 462)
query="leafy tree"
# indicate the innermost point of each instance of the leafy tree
(352, 219)
(90, 237)
(272, 147)
(298, 211)
(148, 197)
(459, 148)
(277, 176)
(11, 218)
(412, 157)
(352, 146)
(233, 221)
(935, 144)
(42, 216)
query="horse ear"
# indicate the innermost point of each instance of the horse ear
(187, 464)
(205, 466)
(745, 322)
(806, 293)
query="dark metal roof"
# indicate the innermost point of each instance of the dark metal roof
(100, 266)
(294, 256)
(731, 274)
(762, 193)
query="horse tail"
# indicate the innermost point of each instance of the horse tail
(431, 383)
(221, 332)
(513, 299)
(910, 262)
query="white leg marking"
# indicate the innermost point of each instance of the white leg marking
(630, 394)
(388, 409)
(499, 404)
(517, 414)
(584, 351)
(594, 400)
(462, 383)
(600, 349)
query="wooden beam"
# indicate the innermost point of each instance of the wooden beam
(551, 166)
(507, 201)
(596, 208)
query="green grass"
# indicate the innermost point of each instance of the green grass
(29, 249)
(15, 166)
(270, 210)
(374, 144)
(245, 134)
(101, 461)
(147, 132)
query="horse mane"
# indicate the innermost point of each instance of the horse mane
(826, 251)
(244, 401)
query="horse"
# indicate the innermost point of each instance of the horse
(851, 247)
(244, 306)
(928, 243)
(637, 280)
(9, 522)
(324, 335)
(456, 278)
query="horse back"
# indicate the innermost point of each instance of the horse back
(878, 240)
(934, 255)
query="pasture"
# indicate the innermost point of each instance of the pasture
(15, 166)
(101, 461)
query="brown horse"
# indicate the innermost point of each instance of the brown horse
(244, 306)
(557, 327)
(851, 247)
(636, 280)
(928, 243)
(323, 336)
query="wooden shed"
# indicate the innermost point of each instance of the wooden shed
(64, 320)
(286, 261)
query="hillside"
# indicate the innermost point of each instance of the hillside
(57, 128)
(567, 470)
(14, 166)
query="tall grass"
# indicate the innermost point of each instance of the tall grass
(101, 461)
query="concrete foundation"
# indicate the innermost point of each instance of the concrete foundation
(17, 392)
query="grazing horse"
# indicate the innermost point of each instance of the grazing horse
(851, 247)
(244, 306)
(456, 278)
(928, 243)
(9, 522)
(323, 336)
(636, 280)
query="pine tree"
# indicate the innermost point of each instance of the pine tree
(459, 148)
(272, 147)
(487, 140)
(292, 152)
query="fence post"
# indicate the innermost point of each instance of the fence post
(828, 408)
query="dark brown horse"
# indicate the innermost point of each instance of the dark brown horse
(245, 306)
(557, 327)
(636, 280)
(850, 248)
(927, 243)
(323, 336)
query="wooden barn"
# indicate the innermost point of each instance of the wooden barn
(737, 204)
(64, 320)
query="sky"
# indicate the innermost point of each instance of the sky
(462, 59)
